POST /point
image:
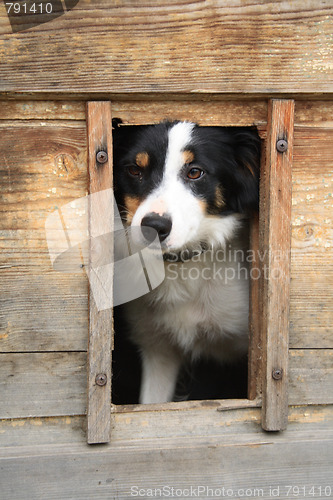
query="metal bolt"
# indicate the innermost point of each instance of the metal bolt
(281, 145)
(101, 379)
(102, 157)
(277, 374)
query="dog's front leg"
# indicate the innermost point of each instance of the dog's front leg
(159, 375)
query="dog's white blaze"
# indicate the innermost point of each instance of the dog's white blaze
(178, 138)
(190, 224)
(172, 196)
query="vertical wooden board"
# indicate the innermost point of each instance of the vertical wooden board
(254, 365)
(275, 220)
(99, 128)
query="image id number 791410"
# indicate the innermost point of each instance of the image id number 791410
(308, 491)
(28, 8)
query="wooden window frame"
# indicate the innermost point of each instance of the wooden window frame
(270, 240)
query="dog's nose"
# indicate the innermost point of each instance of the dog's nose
(161, 223)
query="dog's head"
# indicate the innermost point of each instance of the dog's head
(189, 183)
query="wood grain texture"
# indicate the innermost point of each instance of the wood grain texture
(99, 130)
(255, 344)
(311, 373)
(311, 292)
(143, 428)
(48, 384)
(43, 166)
(54, 384)
(174, 47)
(268, 463)
(211, 109)
(275, 220)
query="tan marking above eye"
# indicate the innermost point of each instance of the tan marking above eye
(142, 159)
(219, 200)
(250, 169)
(188, 157)
(132, 204)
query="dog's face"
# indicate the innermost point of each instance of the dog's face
(187, 182)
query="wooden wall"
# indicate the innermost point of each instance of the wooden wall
(247, 48)
(44, 312)
(164, 59)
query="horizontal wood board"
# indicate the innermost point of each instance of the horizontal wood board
(229, 457)
(176, 47)
(54, 384)
(202, 109)
(137, 427)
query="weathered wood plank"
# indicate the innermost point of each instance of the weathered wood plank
(175, 47)
(99, 129)
(43, 312)
(42, 384)
(191, 107)
(313, 114)
(275, 215)
(168, 426)
(42, 167)
(42, 110)
(124, 471)
(54, 384)
(311, 291)
(208, 111)
(311, 373)
(255, 344)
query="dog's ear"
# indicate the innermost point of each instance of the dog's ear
(246, 148)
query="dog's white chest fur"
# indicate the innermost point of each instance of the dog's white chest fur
(201, 309)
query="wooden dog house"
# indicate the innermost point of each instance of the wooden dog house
(233, 63)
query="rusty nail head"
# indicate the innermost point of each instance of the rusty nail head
(102, 157)
(281, 145)
(277, 374)
(101, 379)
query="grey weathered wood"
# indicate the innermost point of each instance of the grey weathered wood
(42, 384)
(275, 222)
(168, 425)
(299, 457)
(310, 376)
(52, 384)
(99, 130)
(255, 343)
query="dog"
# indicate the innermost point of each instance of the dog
(196, 186)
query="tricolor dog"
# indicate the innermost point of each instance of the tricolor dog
(195, 186)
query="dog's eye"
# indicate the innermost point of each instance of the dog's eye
(134, 171)
(195, 173)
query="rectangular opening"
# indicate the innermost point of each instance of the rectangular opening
(232, 382)
(267, 299)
